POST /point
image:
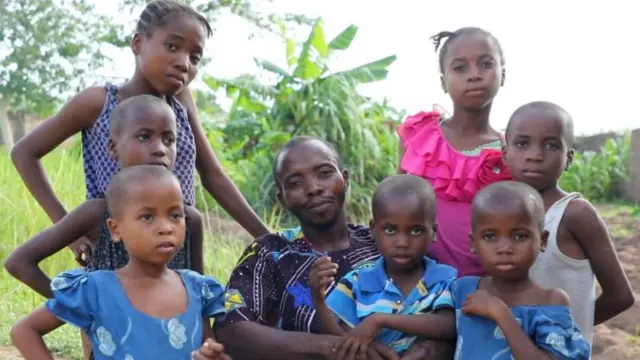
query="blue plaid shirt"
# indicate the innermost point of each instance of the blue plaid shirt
(366, 291)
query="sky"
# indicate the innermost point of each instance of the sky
(572, 53)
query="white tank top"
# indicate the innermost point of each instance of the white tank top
(553, 269)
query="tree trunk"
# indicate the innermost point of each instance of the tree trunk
(7, 133)
(18, 120)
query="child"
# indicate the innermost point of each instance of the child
(459, 155)
(168, 45)
(142, 131)
(143, 310)
(539, 141)
(507, 315)
(402, 281)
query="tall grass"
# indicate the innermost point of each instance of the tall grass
(21, 218)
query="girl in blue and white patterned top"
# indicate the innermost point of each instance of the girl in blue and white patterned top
(506, 315)
(143, 310)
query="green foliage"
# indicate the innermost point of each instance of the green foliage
(309, 99)
(52, 47)
(599, 175)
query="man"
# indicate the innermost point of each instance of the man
(271, 315)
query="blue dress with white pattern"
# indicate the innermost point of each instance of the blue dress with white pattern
(551, 328)
(99, 169)
(96, 302)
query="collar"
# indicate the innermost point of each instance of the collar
(375, 278)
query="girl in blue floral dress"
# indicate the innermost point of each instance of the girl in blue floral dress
(143, 310)
(506, 315)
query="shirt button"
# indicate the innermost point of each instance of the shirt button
(398, 302)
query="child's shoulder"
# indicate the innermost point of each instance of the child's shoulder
(555, 297)
(580, 214)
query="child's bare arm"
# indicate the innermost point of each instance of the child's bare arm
(80, 113)
(23, 262)
(214, 178)
(481, 303)
(590, 231)
(439, 325)
(27, 334)
(195, 228)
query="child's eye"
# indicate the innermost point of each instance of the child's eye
(143, 137)
(459, 68)
(177, 216)
(389, 230)
(489, 237)
(486, 64)
(195, 59)
(146, 217)
(520, 144)
(325, 173)
(552, 146)
(169, 140)
(521, 237)
(171, 47)
(417, 231)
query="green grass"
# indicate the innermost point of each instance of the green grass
(21, 218)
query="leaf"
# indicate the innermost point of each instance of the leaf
(343, 40)
(290, 52)
(269, 66)
(371, 72)
(251, 105)
(307, 67)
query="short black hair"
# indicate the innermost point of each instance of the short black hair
(158, 14)
(119, 186)
(403, 186)
(447, 36)
(298, 140)
(131, 107)
(548, 108)
(508, 193)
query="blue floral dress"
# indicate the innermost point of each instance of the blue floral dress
(551, 328)
(96, 302)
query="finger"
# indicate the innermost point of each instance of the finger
(326, 273)
(343, 348)
(387, 353)
(214, 346)
(353, 351)
(321, 261)
(362, 353)
(197, 355)
(372, 354)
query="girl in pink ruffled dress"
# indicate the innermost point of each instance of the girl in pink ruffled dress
(461, 154)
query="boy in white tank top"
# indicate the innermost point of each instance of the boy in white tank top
(539, 148)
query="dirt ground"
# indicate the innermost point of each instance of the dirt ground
(617, 339)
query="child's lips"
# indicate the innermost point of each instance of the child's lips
(532, 173)
(166, 247)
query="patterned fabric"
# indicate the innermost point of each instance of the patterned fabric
(456, 177)
(550, 327)
(99, 167)
(368, 291)
(270, 282)
(111, 255)
(97, 303)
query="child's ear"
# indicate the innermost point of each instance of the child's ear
(443, 84)
(434, 236)
(136, 44)
(112, 225)
(504, 76)
(544, 237)
(570, 155)
(473, 243)
(111, 149)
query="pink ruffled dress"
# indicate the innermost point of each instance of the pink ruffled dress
(456, 177)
